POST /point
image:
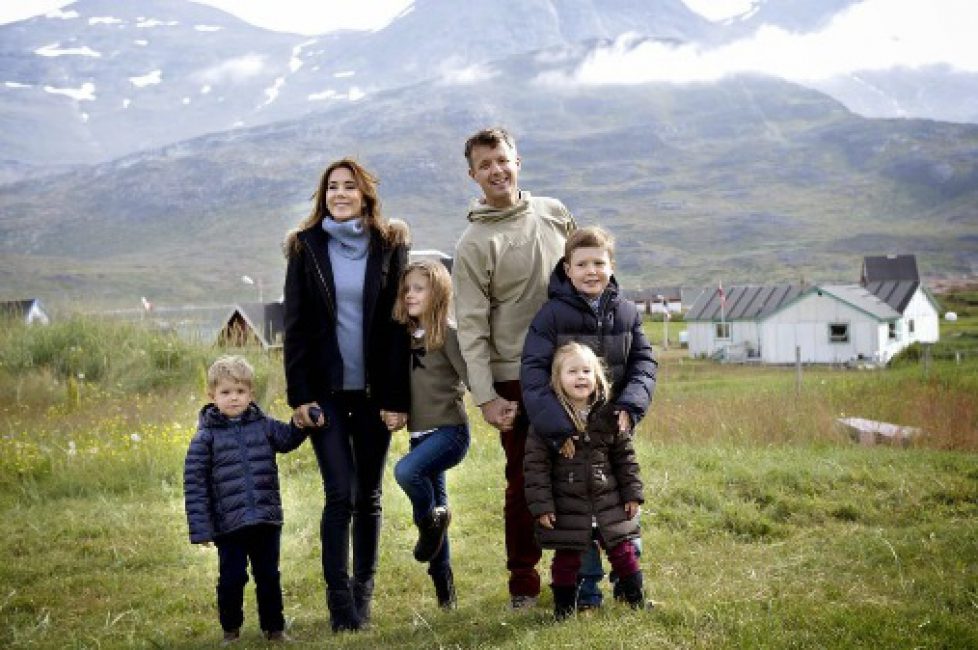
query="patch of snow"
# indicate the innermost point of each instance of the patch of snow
(234, 70)
(185, 101)
(272, 92)
(208, 28)
(326, 94)
(15, 84)
(84, 117)
(126, 103)
(63, 15)
(355, 94)
(344, 74)
(141, 42)
(54, 49)
(104, 20)
(153, 22)
(85, 93)
(148, 79)
(204, 90)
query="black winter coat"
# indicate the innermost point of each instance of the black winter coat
(313, 365)
(614, 333)
(596, 483)
(230, 477)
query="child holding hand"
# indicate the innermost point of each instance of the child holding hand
(437, 421)
(232, 498)
(591, 479)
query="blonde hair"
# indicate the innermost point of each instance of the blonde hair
(434, 318)
(561, 356)
(373, 218)
(235, 368)
(590, 237)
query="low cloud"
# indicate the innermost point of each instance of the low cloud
(872, 35)
(234, 70)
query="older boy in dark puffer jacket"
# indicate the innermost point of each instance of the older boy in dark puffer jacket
(232, 496)
(585, 306)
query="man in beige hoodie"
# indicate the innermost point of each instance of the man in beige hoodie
(501, 271)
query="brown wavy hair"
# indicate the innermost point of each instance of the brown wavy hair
(392, 233)
(434, 320)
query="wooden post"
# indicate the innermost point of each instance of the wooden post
(926, 359)
(798, 370)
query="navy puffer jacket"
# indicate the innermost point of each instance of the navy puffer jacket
(230, 477)
(615, 334)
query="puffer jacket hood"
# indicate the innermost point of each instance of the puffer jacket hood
(211, 416)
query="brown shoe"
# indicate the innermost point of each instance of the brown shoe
(278, 637)
(231, 636)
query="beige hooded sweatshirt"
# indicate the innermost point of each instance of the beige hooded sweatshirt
(500, 274)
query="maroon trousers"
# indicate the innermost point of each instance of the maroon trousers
(522, 551)
(567, 564)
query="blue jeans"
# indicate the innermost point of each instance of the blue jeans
(351, 451)
(592, 572)
(258, 545)
(421, 474)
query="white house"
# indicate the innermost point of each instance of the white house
(895, 280)
(826, 323)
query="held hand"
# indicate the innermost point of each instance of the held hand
(547, 520)
(303, 418)
(631, 509)
(207, 544)
(624, 422)
(500, 413)
(393, 421)
(567, 449)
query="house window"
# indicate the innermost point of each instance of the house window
(838, 332)
(893, 331)
(910, 326)
(723, 330)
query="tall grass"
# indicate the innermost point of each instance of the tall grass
(764, 526)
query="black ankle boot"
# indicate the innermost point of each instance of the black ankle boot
(431, 533)
(445, 590)
(343, 615)
(363, 593)
(565, 601)
(629, 590)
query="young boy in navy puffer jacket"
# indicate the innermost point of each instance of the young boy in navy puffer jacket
(232, 496)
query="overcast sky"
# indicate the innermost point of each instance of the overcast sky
(872, 35)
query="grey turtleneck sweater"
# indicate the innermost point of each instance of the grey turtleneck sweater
(348, 244)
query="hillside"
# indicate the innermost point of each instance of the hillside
(751, 178)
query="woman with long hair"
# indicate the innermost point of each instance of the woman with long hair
(346, 369)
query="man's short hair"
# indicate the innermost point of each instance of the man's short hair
(590, 237)
(230, 367)
(492, 138)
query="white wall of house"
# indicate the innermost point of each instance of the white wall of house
(703, 339)
(807, 323)
(926, 319)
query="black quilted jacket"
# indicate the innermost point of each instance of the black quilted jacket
(596, 483)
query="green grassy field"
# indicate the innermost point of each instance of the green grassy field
(764, 525)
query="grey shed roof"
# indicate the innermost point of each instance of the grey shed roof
(743, 303)
(860, 298)
(889, 268)
(895, 293)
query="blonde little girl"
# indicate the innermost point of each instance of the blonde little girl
(436, 421)
(592, 479)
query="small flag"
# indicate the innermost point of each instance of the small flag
(147, 305)
(723, 296)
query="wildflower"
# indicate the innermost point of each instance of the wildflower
(135, 437)
(72, 448)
